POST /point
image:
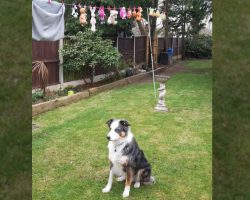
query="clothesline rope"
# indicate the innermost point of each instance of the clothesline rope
(106, 8)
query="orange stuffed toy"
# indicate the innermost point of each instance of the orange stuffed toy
(138, 14)
(83, 16)
(134, 13)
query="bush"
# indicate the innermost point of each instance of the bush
(88, 50)
(199, 47)
(37, 95)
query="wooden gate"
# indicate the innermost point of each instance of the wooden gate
(48, 53)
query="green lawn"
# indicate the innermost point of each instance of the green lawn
(70, 147)
(199, 64)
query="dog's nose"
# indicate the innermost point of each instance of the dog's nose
(108, 137)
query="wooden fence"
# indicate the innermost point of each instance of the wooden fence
(133, 50)
(48, 53)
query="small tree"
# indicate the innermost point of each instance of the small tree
(87, 50)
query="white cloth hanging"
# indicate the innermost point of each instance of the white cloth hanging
(47, 20)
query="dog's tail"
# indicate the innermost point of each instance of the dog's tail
(151, 181)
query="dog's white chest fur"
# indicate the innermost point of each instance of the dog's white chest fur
(115, 156)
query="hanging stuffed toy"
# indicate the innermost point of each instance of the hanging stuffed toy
(157, 13)
(151, 12)
(123, 13)
(92, 20)
(163, 16)
(129, 13)
(138, 14)
(113, 17)
(74, 13)
(102, 14)
(134, 12)
(83, 16)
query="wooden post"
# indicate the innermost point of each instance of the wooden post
(117, 43)
(177, 48)
(147, 50)
(61, 63)
(155, 48)
(134, 53)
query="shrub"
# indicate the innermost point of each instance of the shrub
(42, 74)
(88, 50)
(37, 95)
(199, 46)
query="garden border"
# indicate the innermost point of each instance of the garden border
(66, 100)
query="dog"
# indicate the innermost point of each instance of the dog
(127, 160)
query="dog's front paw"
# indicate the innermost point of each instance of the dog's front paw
(137, 185)
(121, 178)
(125, 194)
(106, 189)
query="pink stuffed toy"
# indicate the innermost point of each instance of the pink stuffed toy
(102, 14)
(129, 13)
(123, 13)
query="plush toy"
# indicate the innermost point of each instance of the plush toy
(138, 14)
(92, 20)
(102, 14)
(134, 12)
(74, 13)
(123, 13)
(129, 13)
(83, 16)
(163, 16)
(157, 13)
(151, 12)
(113, 17)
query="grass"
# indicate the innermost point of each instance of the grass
(15, 104)
(231, 97)
(70, 148)
(199, 64)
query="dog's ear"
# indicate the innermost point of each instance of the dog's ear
(124, 123)
(109, 122)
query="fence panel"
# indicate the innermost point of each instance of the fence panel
(126, 48)
(175, 46)
(161, 45)
(48, 53)
(140, 49)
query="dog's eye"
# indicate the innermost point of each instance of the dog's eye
(117, 130)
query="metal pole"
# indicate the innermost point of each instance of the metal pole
(150, 44)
